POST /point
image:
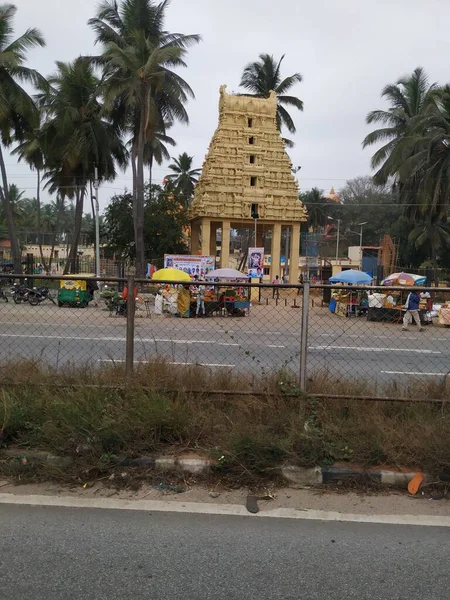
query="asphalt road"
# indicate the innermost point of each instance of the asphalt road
(353, 353)
(54, 553)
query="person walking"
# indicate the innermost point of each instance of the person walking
(201, 300)
(276, 291)
(412, 312)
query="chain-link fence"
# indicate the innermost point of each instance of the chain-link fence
(343, 341)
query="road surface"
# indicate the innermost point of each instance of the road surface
(355, 351)
(49, 553)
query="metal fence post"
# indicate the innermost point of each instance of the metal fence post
(304, 337)
(131, 305)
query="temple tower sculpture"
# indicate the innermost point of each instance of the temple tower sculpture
(247, 169)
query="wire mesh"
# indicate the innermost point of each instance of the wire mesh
(254, 331)
(360, 343)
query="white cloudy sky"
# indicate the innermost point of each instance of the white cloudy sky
(346, 50)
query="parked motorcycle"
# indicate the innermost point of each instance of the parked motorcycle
(3, 296)
(38, 295)
(19, 293)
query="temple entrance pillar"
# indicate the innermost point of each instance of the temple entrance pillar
(294, 254)
(206, 236)
(225, 249)
(275, 252)
(213, 240)
(195, 237)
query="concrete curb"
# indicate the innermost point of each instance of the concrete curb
(188, 463)
(197, 464)
(335, 473)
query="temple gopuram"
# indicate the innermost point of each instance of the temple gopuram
(247, 172)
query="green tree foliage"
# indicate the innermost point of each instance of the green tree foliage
(183, 177)
(18, 113)
(165, 218)
(318, 209)
(78, 136)
(408, 99)
(140, 85)
(417, 158)
(263, 76)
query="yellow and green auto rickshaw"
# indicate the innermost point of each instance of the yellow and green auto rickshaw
(76, 292)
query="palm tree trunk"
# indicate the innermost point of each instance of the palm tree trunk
(434, 260)
(150, 173)
(55, 232)
(71, 261)
(140, 200)
(38, 214)
(7, 209)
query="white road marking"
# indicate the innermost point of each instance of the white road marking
(116, 339)
(274, 346)
(362, 349)
(221, 509)
(146, 362)
(194, 364)
(413, 373)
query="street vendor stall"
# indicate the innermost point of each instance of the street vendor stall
(444, 315)
(348, 302)
(390, 307)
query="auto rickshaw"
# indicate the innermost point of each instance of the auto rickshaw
(76, 292)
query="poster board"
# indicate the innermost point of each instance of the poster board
(195, 266)
(255, 263)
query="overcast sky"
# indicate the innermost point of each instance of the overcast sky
(346, 51)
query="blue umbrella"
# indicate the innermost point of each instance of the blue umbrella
(351, 276)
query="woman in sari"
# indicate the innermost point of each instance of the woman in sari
(184, 301)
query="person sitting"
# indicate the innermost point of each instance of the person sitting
(122, 307)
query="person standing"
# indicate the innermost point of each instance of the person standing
(201, 300)
(276, 291)
(412, 312)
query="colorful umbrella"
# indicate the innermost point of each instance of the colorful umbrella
(404, 279)
(352, 276)
(170, 275)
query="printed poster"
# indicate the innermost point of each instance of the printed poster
(195, 266)
(255, 267)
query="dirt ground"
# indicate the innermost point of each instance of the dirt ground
(271, 314)
(323, 499)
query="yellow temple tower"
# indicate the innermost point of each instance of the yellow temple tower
(247, 171)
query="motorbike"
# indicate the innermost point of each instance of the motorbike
(3, 296)
(38, 295)
(19, 293)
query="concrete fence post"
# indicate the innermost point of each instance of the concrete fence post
(131, 305)
(304, 337)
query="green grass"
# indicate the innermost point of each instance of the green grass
(244, 432)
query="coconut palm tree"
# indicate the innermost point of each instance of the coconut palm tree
(262, 77)
(408, 100)
(31, 151)
(428, 149)
(156, 151)
(183, 178)
(315, 203)
(140, 85)
(18, 112)
(433, 231)
(78, 137)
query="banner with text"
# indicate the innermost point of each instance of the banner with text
(255, 267)
(195, 266)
